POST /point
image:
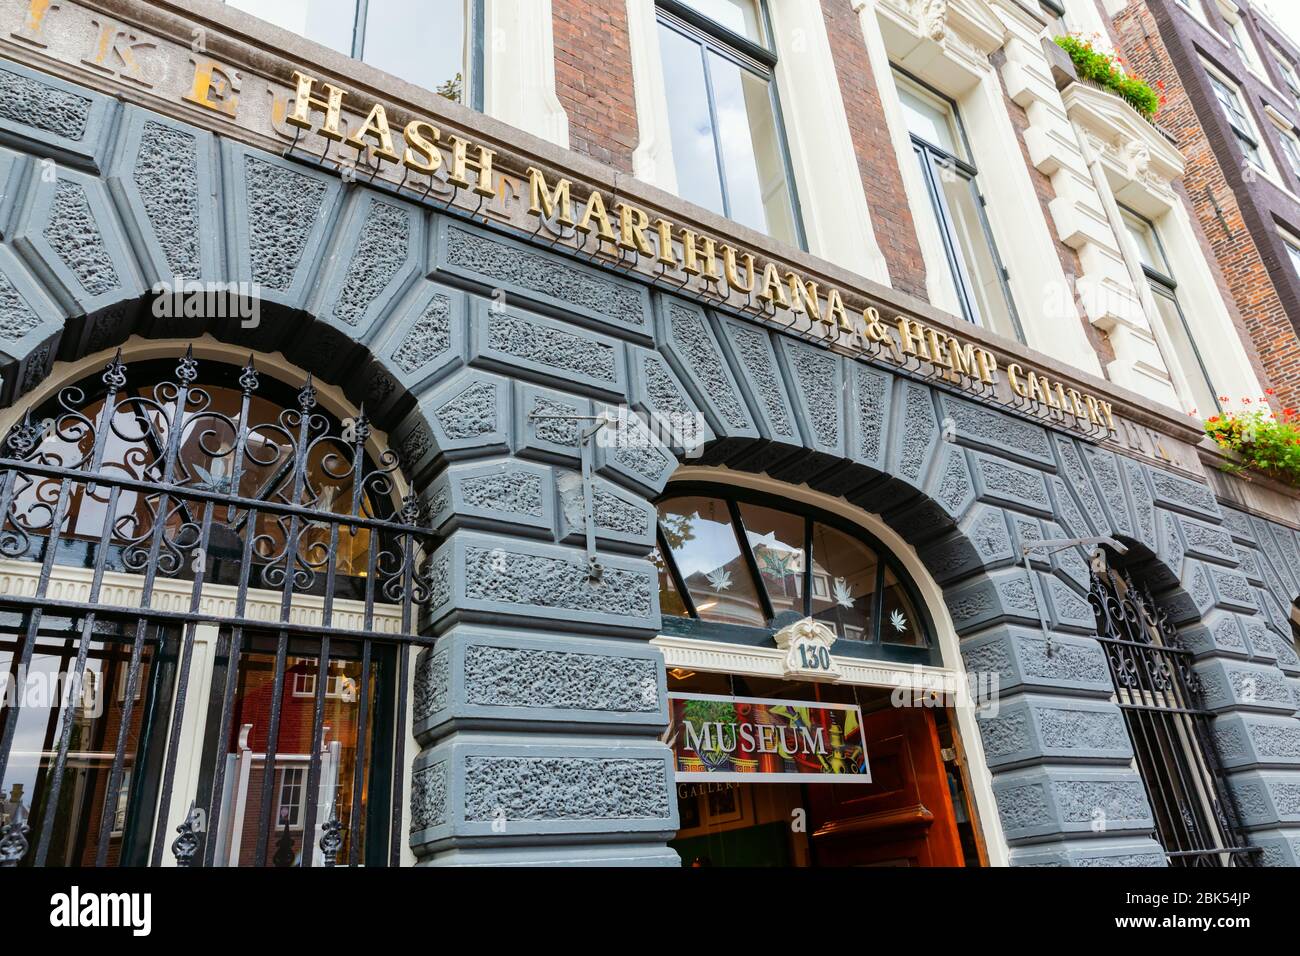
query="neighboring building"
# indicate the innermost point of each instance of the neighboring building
(712, 432)
(1233, 108)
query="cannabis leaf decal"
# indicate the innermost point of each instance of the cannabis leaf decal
(720, 578)
(843, 593)
(897, 619)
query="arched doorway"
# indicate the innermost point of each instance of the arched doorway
(841, 745)
(210, 586)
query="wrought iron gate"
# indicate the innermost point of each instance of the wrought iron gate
(1159, 695)
(134, 520)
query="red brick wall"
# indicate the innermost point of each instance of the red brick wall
(891, 218)
(593, 79)
(1211, 191)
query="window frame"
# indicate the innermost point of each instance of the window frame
(758, 59)
(1251, 133)
(475, 19)
(1287, 70)
(927, 653)
(926, 152)
(1165, 285)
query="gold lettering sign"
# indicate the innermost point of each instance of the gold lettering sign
(716, 268)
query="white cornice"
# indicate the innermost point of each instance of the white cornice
(723, 658)
(124, 591)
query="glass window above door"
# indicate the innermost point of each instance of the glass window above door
(733, 563)
(431, 43)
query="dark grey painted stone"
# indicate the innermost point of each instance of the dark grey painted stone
(514, 342)
(163, 177)
(556, 283)
(42, 114)
(493, 679)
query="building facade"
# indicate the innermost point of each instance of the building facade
(1230, 76)
(639, 433)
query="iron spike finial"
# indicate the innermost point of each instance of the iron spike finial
(187, 844)
(307, 396)
(115, 372)
(248, 380)
(187, 370)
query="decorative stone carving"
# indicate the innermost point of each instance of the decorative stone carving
(283, 206)
(166, 173)
(76, 238)
(807, 645)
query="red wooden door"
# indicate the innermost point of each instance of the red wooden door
(904, 817)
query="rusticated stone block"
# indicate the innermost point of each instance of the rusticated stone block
(1010, 485)
(281, 213)
(758, 378)
(43, 114)
(1242, 685)
(1219, 633)
(30, 327)
(687, 339)
(624, 520)
(526, 344)
(491, 678)
(506, 494)
(1031, 728)
(421, 342)
(1126, 853)
(558, 284)
(1277, 847)
(988, 429)
(504, 791)
(1023, 660)
(1184, 495)
(376, 255)
(495, 578)
(657, 393)
(1266, 798)
(1003, 596)
(1061, 801)
(1253, 741)
(163, 173)
(630, 454)
(69, 236)
(982, 542)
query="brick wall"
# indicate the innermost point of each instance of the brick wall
(1222, 197)
(891, 217)
(593, 79)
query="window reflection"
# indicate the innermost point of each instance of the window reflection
(843, 583)
(728, 558)
(703, 542)
(244, 757)
(98, 710)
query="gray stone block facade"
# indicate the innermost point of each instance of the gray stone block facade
(538, 710)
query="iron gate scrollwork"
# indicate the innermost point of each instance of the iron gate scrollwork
(1158, 693)
(110, 507)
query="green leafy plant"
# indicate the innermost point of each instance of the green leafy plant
(1108, 70)
(1261, 440)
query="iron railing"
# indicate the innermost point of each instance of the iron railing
(1196, 818)
(108, 508)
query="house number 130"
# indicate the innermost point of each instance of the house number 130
(814, 658)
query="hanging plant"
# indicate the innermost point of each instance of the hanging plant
(1108, 70)
(1261, 441)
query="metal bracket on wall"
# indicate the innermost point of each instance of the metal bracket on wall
(595, 570)
(1051, 546)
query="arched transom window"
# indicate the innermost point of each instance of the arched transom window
(730, 558)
